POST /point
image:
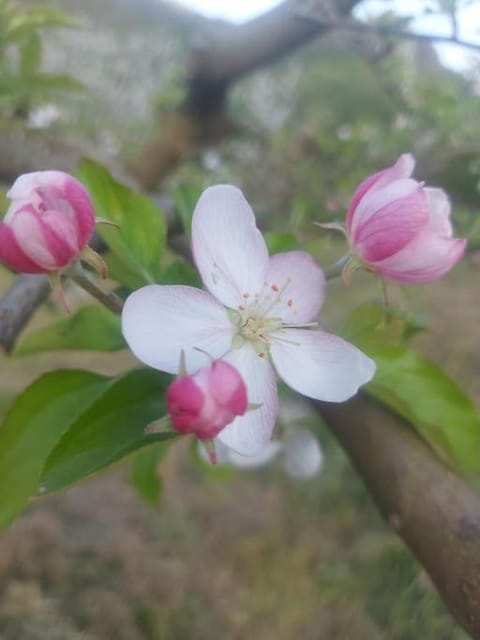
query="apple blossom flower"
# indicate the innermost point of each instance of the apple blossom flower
(401, 229)
(48, 224)
(205, 402)
(256, 314)
(303, 454)
(300, 449)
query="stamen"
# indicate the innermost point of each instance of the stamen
(277, 298)
(306, 325)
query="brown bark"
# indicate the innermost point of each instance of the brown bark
(18, 305)
(216, 61)
(430, 508)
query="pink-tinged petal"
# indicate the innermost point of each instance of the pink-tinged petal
(25, 184)
(299, 283)
(303, 454)
(12, 255)
(320, 365)
(32, 237)
(428, 257)
(79, 198)
(374, 202)
(60, 236)
(229, 250)
(185, 401)
(58, 191)
(439, 209)
(403, 168)
(228, 388)
(392, 227)
(64, 229)
(249, 434)
(159, 321)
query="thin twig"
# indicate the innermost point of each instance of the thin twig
(107, 298)
(363, 27)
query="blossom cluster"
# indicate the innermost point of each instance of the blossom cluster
(257, 315)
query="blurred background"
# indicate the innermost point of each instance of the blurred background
(282, 551)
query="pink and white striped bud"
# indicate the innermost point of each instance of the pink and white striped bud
(48, 224)
(205, 402)
(401, 229)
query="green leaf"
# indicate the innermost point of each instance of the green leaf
(144, 473)
(113, 427)
(278, 242)
(48, 82)
(139, 241)
(185, 198)
(90, 328)
(31, 19)
(180, 272)
(431, 401)
(414, 387)
(371, 325)
(33, 426)
(30, 55)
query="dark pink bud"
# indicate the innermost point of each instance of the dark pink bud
(49, 223)
(400, 228)
(205, 402)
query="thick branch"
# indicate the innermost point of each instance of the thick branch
(239, 50)
(433, 510)
(18, 305)
(217, 60)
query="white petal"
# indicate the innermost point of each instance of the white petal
(439, 209)
(159, 321)
(303, 454)
(248, 435)
(268, 453)
(320, 365)
(228, 456)
(295, 408)
(229, 250)
(301, 283)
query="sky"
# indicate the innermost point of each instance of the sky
(452, 55)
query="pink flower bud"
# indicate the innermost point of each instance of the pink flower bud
(205, 402)
(50, 221)
(400, 228)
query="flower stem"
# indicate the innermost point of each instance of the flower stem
(336, 269)
(108, 299)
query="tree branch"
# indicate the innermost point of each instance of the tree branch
(383, 31)
(433, 510)
(219, 58)
(18, 305)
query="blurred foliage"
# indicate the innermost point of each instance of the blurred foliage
(22, 81)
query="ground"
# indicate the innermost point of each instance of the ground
(246, 554)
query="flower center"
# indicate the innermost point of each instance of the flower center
(261, 319)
